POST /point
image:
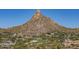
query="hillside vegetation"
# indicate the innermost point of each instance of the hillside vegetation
(55, 40)
(39, 33)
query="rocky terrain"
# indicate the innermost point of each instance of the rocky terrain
(40, 32)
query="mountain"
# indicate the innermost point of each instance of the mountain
(37, 25)
(39, 32)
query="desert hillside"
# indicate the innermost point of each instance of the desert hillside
(39, 32)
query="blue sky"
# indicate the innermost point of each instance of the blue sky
(13, 17)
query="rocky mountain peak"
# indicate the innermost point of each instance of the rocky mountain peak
(39, 24)
(37, 15)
